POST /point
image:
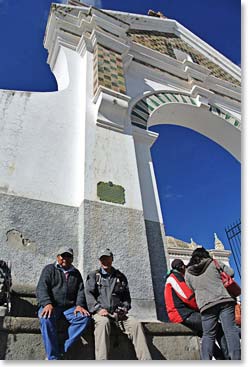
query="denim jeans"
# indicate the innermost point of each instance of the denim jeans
(194, 322)
(77, 326)
(225, 313)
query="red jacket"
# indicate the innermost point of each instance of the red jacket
(179, 299)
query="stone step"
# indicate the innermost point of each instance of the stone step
(23, 304)
(20, 339)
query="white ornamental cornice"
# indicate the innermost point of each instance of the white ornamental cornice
(210, 52)
(108, 41)
(80, 31)
(179, 251)
(220, 253)
(186, 71)
(165, 25)
(112, 109)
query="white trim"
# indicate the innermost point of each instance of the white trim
(176, 287)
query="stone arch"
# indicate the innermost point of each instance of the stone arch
(184, 110)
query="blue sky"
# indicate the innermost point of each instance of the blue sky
(198, 182)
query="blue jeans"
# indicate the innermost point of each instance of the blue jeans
(194, 322)
(225, 313)
(77, 326)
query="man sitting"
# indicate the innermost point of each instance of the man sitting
(108, 300)
(60, 293)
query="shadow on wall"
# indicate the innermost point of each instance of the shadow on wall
(158, 265)
(3, 339)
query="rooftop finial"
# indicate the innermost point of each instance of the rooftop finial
(192, 244)
(218, 245)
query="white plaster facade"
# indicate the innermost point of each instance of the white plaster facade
(178, 249)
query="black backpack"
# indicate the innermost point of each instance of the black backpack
(5, 284)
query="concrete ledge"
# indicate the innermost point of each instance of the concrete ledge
(20, 339)
(13, 325)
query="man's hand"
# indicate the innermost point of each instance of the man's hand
(81, 310)
(103, 312)
(47, 311)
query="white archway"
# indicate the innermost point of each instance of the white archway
(183, 110)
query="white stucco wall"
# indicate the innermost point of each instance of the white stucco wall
(45, 137)
(42, 140)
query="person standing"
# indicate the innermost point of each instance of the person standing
(60, 293)
(109, 301)
(182, 308)
(214, 302)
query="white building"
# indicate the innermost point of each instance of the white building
(178, 249)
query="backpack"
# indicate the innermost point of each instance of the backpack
(5, 284)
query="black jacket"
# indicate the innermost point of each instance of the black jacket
(55, 289)
(107, 292)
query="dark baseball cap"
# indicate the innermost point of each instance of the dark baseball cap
(177, 264)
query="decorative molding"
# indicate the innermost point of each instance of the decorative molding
(166, 43)
(144, 108)
(112, 109)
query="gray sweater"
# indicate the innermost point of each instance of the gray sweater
(204, 279)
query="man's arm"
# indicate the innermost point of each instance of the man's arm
(81, 299)
(90, 293)
(126, 298)
(43, 290)
(81, 305)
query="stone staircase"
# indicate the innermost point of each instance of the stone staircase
(20, 337)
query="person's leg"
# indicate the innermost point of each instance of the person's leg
(227, 319)
(78, 324)
(102, 336)
(221, 339)
(194, 322)
(209, 326)
(133, 328)
(49, 333)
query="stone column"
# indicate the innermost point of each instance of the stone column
(152, 214)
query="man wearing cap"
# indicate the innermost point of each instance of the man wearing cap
(108, 300)
(182, 308)
(60, 293)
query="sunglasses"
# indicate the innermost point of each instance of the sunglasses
(66, 254)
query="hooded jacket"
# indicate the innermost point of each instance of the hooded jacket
(205, 281)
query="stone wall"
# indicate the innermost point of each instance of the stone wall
(20, 339)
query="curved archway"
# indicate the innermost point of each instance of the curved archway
(198, 184)
(183, 110)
